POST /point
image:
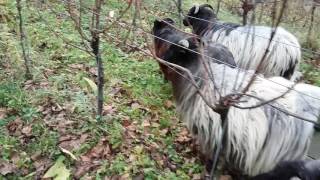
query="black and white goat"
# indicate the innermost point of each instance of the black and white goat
(258, 138)
(249, 43)
(290, 170)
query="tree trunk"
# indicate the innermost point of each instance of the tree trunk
(23, 40)
(310, 31)
(95, 45)
(179, 4)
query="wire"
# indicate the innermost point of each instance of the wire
(221, 24)
(247, 71)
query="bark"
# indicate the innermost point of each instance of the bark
(23, 40)
(95, 45)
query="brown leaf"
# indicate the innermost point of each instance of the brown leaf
(14, 127)
(3, 113)
(109, 109)
(84, 167)
(146, 123)
(77, 66)
(69, 107)
(125, 177)
(196, 176)
(41, 164)
(168, 104)
(135, 105)
(126, 122)
(7, 168)
(183, 136)
(71, 142)
(93, 71)
(27, 131)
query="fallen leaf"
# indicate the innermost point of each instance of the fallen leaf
(84, 167)
(125, 177)
(93, 71)
(3, 113)
(7, 168)
(183, 136)
(27, 131)
(71, 142)
(196, 176)
(92, 85)
(58, 171)
(41, 164)
(155, 125)
(135, 105)
(14, 127)
(68, 153)
(77, 66)
(146, 123)
(109, 109)
(168, 104)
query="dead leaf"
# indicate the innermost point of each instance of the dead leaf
(196, 176)
(77, 66)
(168, 104)
(69, 107)
(183, 136)
(41, 164)
(27, 131)
(135, 105)
(93, 71)
(146, 123)
(109, 109)
(91, 84)
(84, 167)
(125, 177)
(71, 142)
(58, 171)
(68, 153)
(155, 125)
(7, 168)
(14, 127)
(3, 113)
(92, 158)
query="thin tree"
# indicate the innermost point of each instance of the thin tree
(91, 43)
(23, 41)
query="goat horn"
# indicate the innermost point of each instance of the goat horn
(196, 9)
(184, 43)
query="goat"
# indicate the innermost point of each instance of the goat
(303, 170)
(210, 49)
(257, 138)
(249, 43)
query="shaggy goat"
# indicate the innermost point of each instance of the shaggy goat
(303, 170)
(217, 52)
(257, 138)
(249, 43)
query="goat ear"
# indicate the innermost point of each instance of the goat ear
(157, 23)
(196, 9)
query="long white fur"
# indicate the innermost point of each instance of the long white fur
(248, 47)
(259, 138)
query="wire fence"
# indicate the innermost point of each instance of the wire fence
(138, 30)
(257, 75)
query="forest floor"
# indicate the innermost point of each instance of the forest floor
(48, 127)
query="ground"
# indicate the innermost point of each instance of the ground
(47, 125)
